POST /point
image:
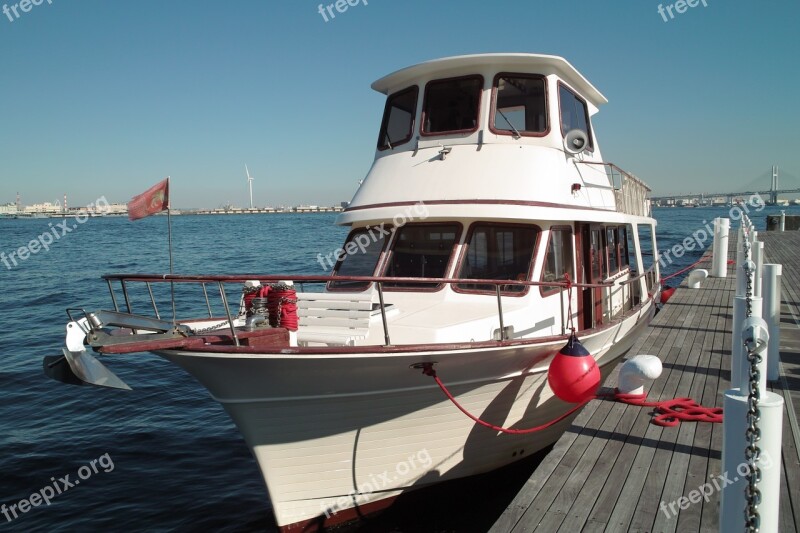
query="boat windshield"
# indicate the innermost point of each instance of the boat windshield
(520, 107)
(398, 119)
(422, 251)
(452, 105)
(359, 257)
(498, 251)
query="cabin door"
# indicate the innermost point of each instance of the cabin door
(590, 250)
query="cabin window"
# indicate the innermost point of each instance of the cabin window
(597, 255)
(622, 242)
(574, 114)
(498, 251)
(422, 251)
(559, 259)
(649, 253)
(452, 105)
(359, 257)
(398, 118)
(520, 105)
(613, 259)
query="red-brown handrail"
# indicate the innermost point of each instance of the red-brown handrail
(232, 278)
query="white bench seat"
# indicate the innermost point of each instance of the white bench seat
(338, 319)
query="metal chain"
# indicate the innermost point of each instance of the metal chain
(752, 452)
(212, 327)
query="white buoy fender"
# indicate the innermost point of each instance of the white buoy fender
(636, 371)
(696, 276)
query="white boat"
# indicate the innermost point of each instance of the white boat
(487, 190)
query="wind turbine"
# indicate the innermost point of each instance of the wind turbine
(250, 183)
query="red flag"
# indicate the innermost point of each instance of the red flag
(152, 201)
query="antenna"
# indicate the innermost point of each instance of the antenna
(250, 183)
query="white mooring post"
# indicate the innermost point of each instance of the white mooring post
(719, 262)
(739, 330)
(751, 335)
(740, 279)
(734, 463)
(758, 259)
(739, 314)
(783, 220)
(696, 277)
(771, 293)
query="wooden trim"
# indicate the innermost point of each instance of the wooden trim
(258, 339)
(524, 203)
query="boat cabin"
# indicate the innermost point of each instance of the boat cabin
(487, 168)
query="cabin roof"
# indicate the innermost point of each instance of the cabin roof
(501, 63)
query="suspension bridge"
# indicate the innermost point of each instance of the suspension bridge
(770, 185)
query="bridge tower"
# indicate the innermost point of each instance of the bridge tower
(773, 195)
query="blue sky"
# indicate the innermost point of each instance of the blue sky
(102, 98)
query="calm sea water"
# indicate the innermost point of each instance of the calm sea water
(179, 463)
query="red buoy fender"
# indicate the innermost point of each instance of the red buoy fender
(573, 375)
(666, 293)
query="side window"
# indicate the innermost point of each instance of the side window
(559, 259)
(520, 105)
(452, 105)
(359, 258)
(574, 114)
(597, 255)
(397, 126)
(611, 241)
(497, 251)
(622, 241)
(421, 251)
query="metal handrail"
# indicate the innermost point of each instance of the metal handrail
(379, 281)
(180, 278)
(623, 172)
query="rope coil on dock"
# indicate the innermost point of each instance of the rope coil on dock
(669, 413)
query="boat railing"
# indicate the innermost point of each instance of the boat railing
(631, 294)
(630, 192)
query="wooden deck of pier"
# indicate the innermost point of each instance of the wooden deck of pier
(612, 468)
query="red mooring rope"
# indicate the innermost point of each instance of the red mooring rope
(672, 412)
(429, 371)
(679, 272)
(669, 413)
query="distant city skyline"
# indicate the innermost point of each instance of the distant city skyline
(105, 99)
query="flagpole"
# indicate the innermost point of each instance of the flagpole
(169, 238)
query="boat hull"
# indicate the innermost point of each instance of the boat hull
(338, 435)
